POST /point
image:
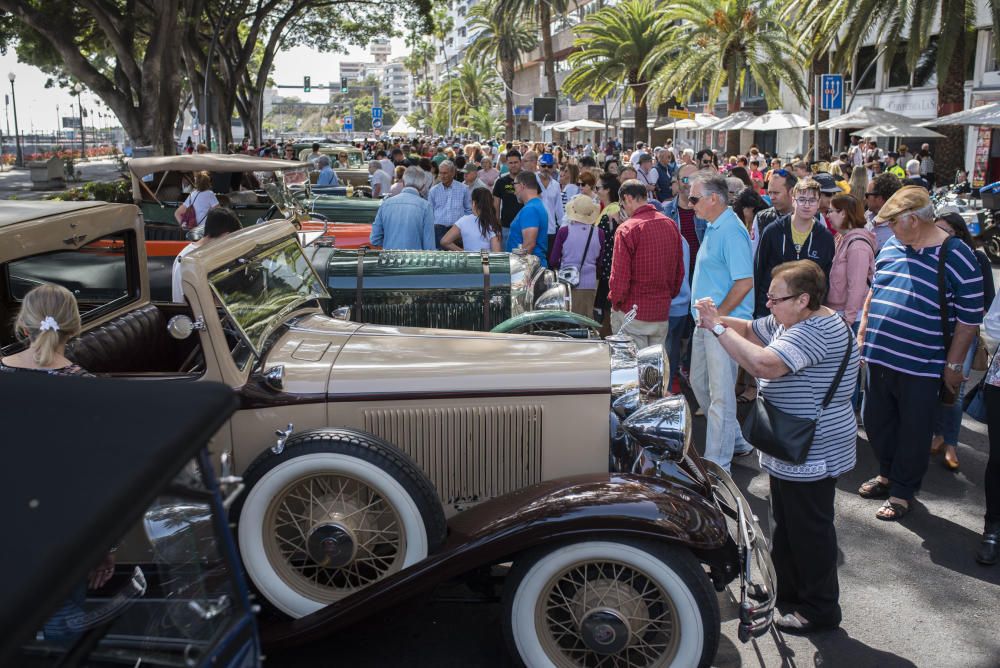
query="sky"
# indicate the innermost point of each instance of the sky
(37, 105)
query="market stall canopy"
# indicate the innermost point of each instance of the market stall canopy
(581, 124)
(699, 122)
(987, 115)
(898, 130)
(403, 127)
(734, 121)
(865, 117)
(777, 120)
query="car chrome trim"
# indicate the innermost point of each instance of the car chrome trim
(404, 396)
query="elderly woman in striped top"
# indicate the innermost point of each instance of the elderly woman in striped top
(795, 353)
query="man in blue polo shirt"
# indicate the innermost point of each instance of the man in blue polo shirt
(724, 273)
(530, 227)
(904, 344)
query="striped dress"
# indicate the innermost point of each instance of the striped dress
(904, 319)
(813, 350)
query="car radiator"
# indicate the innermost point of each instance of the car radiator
(469, 453)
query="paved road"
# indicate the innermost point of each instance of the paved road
(16, 183)
(911, 592)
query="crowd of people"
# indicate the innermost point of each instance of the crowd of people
(822, 293)
(831, 291)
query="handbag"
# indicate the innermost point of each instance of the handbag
(974, 403)
(782, 435)
(981, 360)
(571, 273)
(189, 219)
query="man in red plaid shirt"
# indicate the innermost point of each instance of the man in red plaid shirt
(647, 267)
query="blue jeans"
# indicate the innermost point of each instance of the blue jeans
(676, 333)
(948, 419)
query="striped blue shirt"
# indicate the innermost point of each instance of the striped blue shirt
(904, 319)
(813, 350)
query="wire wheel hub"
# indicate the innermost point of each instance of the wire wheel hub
(332, 545)
(605, 631)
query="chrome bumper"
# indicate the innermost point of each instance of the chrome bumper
(758, 592)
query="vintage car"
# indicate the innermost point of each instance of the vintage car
(449, 290)
(356, 442)
(116, 470)
(356, 172)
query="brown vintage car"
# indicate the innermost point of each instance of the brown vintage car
(399, 457)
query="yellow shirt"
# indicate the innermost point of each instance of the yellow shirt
(799, 238)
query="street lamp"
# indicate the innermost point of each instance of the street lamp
(17, 133)
(79, 103)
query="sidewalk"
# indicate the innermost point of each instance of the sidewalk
(16, 183)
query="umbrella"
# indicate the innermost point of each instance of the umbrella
(697, 123)
(987, 115)
(777, 120)
(581, 124)
(898, 130)
(863, 118)
(734, 121)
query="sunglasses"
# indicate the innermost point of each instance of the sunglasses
(693, 199)
(783, 173)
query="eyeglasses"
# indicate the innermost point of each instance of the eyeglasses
(546, 166)
(867, 195)
(806, 201)
(706, 162)
(685, 180)
(778, 300)
(694, 199)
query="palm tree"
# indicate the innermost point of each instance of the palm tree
(715, 43)
(473, 84)
(543, 11)
(858, 20)
(500, 39)
(483, 122)
(613, 48)
(418, 65)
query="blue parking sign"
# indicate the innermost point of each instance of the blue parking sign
(831, 92)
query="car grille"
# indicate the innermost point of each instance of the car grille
(469, 453)
(458, 311)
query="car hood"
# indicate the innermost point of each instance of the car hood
(385, 360)
(348, 360)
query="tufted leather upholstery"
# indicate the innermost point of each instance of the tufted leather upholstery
(132, 343)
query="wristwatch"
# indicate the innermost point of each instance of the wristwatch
(719, 329)
(957, 367)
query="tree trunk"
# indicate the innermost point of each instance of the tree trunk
(548, 59)
(507, 70)
(733, 104)
(639, 90)
(949, 151)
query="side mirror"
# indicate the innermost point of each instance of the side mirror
(181, 326)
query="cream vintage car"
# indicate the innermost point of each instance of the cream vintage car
(363, 446)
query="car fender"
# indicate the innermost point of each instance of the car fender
(536, 318)
(547, 513)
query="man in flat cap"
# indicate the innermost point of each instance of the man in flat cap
(914, 342)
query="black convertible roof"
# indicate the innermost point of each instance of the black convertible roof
(84, 457)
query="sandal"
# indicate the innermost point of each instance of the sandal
(892, 512)
(874, 489)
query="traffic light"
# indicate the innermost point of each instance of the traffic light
(343, 84)
(306, 84)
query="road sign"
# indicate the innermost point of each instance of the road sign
(522, 111)
(680, 113)
(831, 92)
(376, 113)
(376, 123)
(348, 124)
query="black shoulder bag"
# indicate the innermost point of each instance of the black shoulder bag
(788, 437)
(946, 395)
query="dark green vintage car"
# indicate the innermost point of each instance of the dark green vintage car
(504, 292)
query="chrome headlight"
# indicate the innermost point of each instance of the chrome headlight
(556, 298)
(662, 428)
(654, 370)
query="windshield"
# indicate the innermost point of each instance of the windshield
(258, 290)
(283, 187)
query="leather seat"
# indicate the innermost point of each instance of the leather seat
(135, 342)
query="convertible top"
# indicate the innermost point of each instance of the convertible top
(210, 162)
(84, 458)
(13, 212)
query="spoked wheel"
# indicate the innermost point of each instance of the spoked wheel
(610, 603)
(335, 512)
(992, 248)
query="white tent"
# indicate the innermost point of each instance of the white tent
(580, 124)
(987, 115)
(863, 118)
(898, 130)
(735, 121)
(403, 127)
(777, 120)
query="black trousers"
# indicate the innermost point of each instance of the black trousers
(804, 548)
(899, 418)
(992, 484)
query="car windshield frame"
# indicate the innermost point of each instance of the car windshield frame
(257, 317)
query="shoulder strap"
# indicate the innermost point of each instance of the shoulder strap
(843, 367)
(859, 238)
(942, 294)
(583, 258)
